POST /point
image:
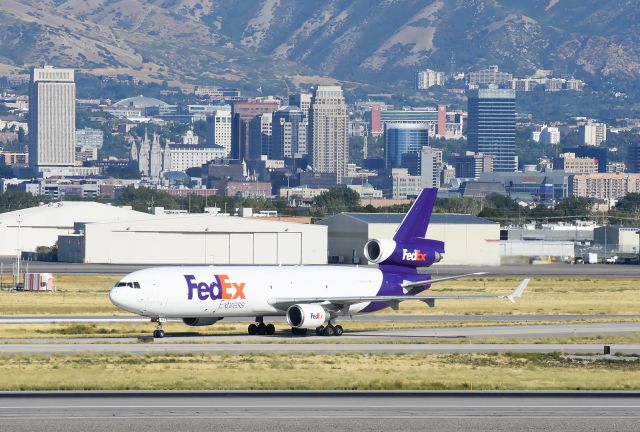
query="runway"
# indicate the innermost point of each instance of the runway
(294, 411)
(311, 348)
(391, 317)
(519, 270)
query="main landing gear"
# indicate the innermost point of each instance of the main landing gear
(259, 328)
(330, 330)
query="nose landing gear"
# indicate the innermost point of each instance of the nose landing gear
(158, 333)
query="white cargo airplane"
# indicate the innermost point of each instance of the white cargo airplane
(309, 296)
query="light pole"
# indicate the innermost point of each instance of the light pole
(638, 232)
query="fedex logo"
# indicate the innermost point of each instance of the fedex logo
(416, 255)
(315, 316)
(219, 289)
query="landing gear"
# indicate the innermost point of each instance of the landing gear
(158, 333)
(260, 328)
(329, 330)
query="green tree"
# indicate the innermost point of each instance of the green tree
(336, 200)
(15, 200)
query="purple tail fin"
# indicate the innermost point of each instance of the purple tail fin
(415, 223)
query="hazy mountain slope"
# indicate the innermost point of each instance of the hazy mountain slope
(379, 41)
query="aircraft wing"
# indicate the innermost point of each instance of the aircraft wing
(393, 301)
(432, 281)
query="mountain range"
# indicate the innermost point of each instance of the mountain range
(377, 42)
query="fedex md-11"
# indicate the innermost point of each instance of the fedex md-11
(310, 297)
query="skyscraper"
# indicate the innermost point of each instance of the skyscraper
(328, 129)
(52, 117)
(219, 130)
(302, 101)
(633, 158)
(402, 138)
(260, 136)
(492, 126)
(289, 133)
(242, 113)
(430, 167)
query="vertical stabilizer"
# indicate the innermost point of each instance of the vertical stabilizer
(415, 223)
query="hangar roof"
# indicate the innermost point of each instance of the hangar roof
(439, 218)
(65, 213)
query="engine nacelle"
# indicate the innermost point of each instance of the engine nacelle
(199, 322)
(419, 253)
(306, 316)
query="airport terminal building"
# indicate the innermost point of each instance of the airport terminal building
(469, 240)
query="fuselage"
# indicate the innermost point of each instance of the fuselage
(232, 291)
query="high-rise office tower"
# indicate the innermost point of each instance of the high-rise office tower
(242, 113)
(633, 158)
(430, 167)
(302, 101)
(491, 126)
(289, 133)
(328, 131)
(260, 136)
(52, 117)
(593, 134)
(402, 138)
(219, 130)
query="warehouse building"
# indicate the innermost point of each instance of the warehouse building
(195, 239)
(26, 229)
(469, 240)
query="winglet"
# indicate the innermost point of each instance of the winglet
(517, 293)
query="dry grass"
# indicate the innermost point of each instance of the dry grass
(308, 371)
(88, 294)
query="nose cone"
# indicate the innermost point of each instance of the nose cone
(121, 297)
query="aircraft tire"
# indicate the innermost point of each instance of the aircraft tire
(319, 331)
(253, 329)
(270, 329)
(328, 331)
(158, 334)
(338, 330)
(262, 329)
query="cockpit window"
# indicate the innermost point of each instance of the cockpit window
(128, 284)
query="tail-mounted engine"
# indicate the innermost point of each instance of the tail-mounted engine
(418, 253)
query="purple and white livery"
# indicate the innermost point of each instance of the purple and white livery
(311, 297)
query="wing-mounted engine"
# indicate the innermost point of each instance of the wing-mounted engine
(200, 322)
(417, 253)
(306, 316)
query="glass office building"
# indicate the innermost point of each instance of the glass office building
(491, 128)
(401, 138)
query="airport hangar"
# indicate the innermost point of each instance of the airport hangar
(469, 240)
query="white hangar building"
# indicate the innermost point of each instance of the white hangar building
(469, 240)
(26, 229)
(194, 239)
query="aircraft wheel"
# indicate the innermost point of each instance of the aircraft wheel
(319, 331)
(270, 329)
(158, 334)
(253, 329)
(328, 331)
(338, 330)
(262, 329)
